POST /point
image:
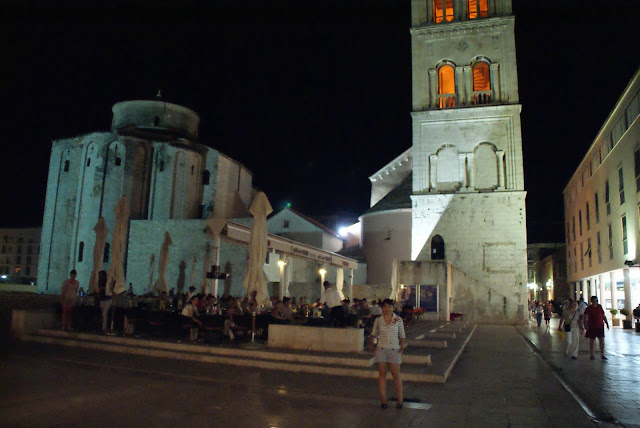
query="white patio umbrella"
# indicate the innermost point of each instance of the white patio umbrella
(394, 280)
(206, 265)
(254, 276)
(340, 282)
(161, 283)
(102, 231)
(115, 274)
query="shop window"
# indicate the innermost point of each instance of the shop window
(442, 11)
(446, 86)
(481, 83)
(478, 9)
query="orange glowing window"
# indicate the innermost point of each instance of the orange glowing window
(481, 78)
(446, 87)
(478, 8)
(442, 10)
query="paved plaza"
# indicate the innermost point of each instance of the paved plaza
(499, 381)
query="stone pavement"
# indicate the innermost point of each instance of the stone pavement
(610, 389)
(499, 381)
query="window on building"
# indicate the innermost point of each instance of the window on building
(633, 109)
(607, 199)
(587, 216)
(442, 11)
(66, 166)
(205, 177)
(446, 86)
(610, 236)
(580, 221)
(568, 234)
(581, 257)
(88, 162)
(481, 83)
(81, 252)
(118, 161)
(285, 224)
(575, 259)
(478, 9)
(618, 130)
(625, 241)
(107, 253)
(589, 252)
(573, 227)
(621, 185)
(596, 207)
(636, 158)
(18, 260)
(598, 243)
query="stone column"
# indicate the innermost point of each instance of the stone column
(433, 88)
(585, 290)
(501, 178)
(612, 281)
(577, 290)
(602, 290)
(627, 293)
(495, 83)
(592, 287)
(433, 172)
(460, 88)
(468, 80)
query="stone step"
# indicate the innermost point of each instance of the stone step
(422, 343)
(414, 368)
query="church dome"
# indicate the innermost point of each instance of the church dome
(155, 118)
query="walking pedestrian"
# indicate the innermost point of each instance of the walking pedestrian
(547, 314)
(539, 312)
(573, 328)
(594, 321)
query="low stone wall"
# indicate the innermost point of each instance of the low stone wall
(27, 321)
(346, 340)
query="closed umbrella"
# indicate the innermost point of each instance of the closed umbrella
(206, 265)
(340, 282)
(152, 262)
(115, 274)
(254, 276)
(161, 283)
(192, 278)
(394, 280)
(102, 231)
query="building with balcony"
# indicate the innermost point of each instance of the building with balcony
(19, 253)
(601, 206)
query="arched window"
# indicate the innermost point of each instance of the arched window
(478, 8)
(446, 86)
(66, 166)
(437, 248)
(481, 83)
(442, 11)
(81, 252)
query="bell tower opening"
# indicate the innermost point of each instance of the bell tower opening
(437, 248)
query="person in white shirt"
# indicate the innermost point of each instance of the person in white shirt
(376, 310)
(331, 299)
(389, 329)
(191, 312)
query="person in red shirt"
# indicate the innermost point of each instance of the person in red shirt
(594, 321)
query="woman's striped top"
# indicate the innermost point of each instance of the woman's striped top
(389, 335)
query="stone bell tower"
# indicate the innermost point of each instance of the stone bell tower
(468, 197)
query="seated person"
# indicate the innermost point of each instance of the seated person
(277, 314)
(363, 313)
(233, 312)
(287, 309)
(375, 309)
(163, 301)
(210, 304)
(189, 314)
(245, 305)
(202, 304)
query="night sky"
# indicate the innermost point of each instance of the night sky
(311, 96)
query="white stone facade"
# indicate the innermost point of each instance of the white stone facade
(602, 203)
(467, 185)
(151, 155)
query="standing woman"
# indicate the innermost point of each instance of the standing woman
(68, 298)
(539, 312)
(571, 325)
(389, 329)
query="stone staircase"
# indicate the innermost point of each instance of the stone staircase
(433, 349)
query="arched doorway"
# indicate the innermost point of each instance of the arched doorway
(437, 248)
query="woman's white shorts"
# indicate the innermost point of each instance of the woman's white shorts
(388, 355)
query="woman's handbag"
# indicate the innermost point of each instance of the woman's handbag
(567, 325)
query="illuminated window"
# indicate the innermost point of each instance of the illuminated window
(625, 241)
(446, 86)
(481, 83)
(621, 185)
(442, 11)
(478, 8)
